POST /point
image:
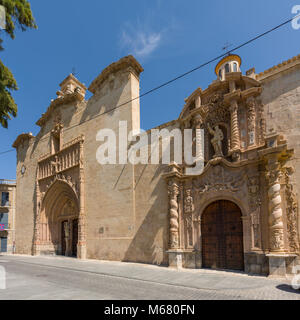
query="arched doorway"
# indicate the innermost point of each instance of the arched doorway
(222, 236)
(58, 223)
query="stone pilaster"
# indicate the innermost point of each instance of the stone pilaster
(251, 116)
(36, 241)
(199, 155)
(81, 247)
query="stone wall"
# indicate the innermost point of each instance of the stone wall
(281, 97)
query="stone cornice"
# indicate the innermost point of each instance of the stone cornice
(196, 93)
(235, 95)
(21, 138)
(123, 63)
(75, 96)
(285, 65)
(213, 162)
(251, 92)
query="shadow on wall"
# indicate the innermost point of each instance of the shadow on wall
(143, 248)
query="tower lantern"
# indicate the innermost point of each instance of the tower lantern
(230, 63)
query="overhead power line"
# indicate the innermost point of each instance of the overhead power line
(185, 73)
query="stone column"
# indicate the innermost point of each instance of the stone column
(198, 242)
(174, 215)
(235, 136)
(275, 211)
(81, 246)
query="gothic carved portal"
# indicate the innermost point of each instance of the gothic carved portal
(60, 215)
(58, 218)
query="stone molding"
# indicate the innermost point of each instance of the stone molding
(124, 63)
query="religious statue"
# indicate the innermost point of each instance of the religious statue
(188, 202)
(216, 141)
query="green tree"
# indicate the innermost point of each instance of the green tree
(18, 14)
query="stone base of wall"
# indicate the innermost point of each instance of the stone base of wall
(281, 265)
(185, 259)
(50, 250)
(256, 263)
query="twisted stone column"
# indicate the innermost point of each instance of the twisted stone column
(275, 212)
(235, 136)
(174, 215)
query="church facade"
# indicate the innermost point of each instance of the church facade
(239, 213)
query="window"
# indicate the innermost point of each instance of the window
(235, 68)
(3, 221)
(55, 144)
(5, 199)
(227, 68)
(220, 74)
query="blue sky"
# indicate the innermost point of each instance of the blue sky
(168, 37)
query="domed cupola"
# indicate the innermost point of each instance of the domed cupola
(230, 63)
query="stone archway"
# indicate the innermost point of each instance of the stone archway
(58, 221)
(222, 236)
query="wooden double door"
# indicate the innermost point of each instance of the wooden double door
(73, 237)
(222, 236)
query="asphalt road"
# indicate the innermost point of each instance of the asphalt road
(59, 278)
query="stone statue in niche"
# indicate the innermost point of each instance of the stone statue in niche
(188, 203)
(217, 139)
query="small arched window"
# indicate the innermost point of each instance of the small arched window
(220, 74)
(227, 68)
(235, 68)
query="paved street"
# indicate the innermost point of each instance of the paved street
(67, 278)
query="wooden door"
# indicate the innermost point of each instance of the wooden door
(63, 238)
(222, 236)
(74, 237)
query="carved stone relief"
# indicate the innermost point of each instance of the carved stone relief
(254, 206)
(61, 177)
(219, 180)
(291, 211)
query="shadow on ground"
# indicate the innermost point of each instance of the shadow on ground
(287, 288)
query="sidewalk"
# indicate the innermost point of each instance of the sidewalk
(235, 284)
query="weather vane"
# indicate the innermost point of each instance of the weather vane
(226, 47)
